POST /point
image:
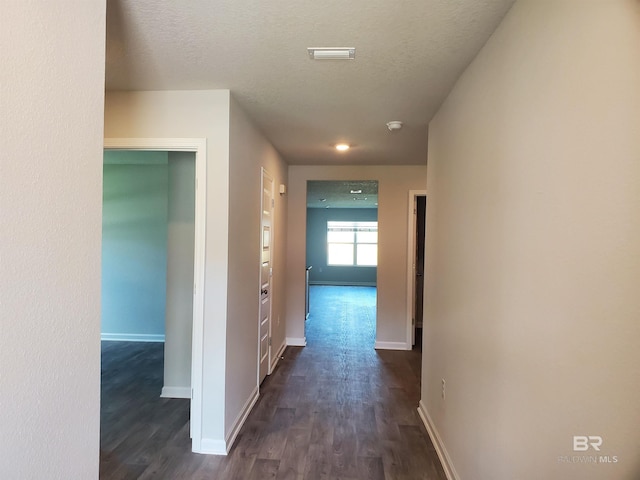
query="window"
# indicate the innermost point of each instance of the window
(352, 243)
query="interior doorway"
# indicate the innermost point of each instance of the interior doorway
(185, 213)
(342, 234)
(148, 219)
(415, 266)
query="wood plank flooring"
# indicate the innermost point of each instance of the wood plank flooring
(335, 409)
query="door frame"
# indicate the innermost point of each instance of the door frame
(199, 147)
(411, 267)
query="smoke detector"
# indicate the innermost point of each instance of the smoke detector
(394, 125)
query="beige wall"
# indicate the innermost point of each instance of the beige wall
(533, 241)
(193, 114)
(50, 232)
(249, 151)
(394, 185)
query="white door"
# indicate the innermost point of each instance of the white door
(266, 248)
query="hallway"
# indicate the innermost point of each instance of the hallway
(334, 409)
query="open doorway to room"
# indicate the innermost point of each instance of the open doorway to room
(415, 267)
(342, 255)
(148, 249)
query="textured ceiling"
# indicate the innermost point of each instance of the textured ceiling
(337, 194)
(408, 55)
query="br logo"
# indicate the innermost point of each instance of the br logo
(583, 443)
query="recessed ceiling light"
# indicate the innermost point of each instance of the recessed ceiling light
(342, 147)
(331, 53)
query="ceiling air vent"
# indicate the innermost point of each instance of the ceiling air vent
(331, 53)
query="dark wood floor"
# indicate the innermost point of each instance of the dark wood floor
(336, 409)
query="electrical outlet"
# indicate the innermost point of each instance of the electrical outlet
(444, 384)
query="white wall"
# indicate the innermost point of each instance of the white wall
(393, 198)
(180, 254)
(193, 114)
(50, 229)
(249, 151)
(134, 245)
(533, 235)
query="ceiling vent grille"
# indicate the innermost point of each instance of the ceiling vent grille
(331, 53)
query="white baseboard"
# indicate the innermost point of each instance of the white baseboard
(391, 346)
(209, 446)
(131, 337)
(240, 419)
(296, 342)
(176, 392)
(276, 358)
(447, 465)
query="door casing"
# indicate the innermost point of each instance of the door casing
(199, 147)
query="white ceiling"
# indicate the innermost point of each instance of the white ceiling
(409, 53)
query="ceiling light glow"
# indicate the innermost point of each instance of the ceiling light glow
(342, 147)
